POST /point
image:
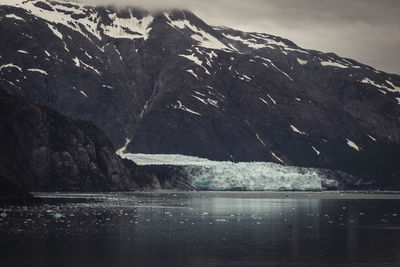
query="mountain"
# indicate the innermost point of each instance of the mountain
(42, 150)
(168, 83)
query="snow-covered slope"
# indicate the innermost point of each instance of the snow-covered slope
(170, 83)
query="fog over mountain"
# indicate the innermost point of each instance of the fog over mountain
(365, 30)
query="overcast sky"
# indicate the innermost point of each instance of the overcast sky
(365, 30)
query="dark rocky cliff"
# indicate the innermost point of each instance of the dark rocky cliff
(10, 191)
(44, 150)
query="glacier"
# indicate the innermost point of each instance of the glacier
(205, 174)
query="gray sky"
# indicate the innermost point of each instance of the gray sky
(365, 30)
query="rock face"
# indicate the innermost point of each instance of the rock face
(10, 191)
(44, 150)
(170, 83)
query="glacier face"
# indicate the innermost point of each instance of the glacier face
(204, 174)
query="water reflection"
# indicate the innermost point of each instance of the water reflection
(202, 229)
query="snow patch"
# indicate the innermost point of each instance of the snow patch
(396, 89)
(194, 74)
(274, 66)
(316, 150)
(10, 65)
(372, 138)
(89, 56)
(200, 99)
(301, 61)
(296, 50)
(77, 62)
(123, 148)
(182, 107)
(196, 92)
(128, 28)
(250, 43)
(83, 93)
(278, 158)
(195, 60)
(352, 145)
(203, 38)
(392, 88)
(243, 77)
(107, 86)
(38, 70)
(55, 31)
(264, 101)
(90, 67)
(333, 64)
(259, 139)
(294, 129)
(207, 101)
(13, 16)
(273, 100)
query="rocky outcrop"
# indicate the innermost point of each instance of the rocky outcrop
(11, 192)
(42, 150)
(144, 179)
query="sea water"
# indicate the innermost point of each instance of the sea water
(203, 229)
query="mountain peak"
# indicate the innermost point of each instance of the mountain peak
(170, 83)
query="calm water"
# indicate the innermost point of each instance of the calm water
(203, 229)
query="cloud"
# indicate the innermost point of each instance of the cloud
(366, 30)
